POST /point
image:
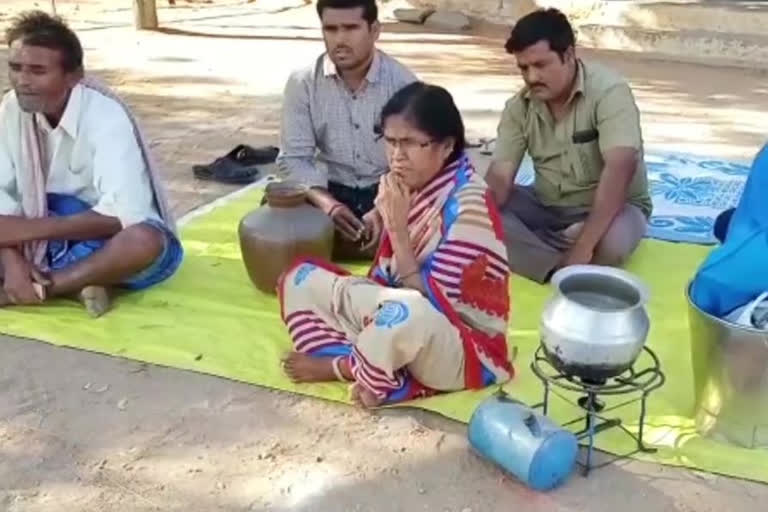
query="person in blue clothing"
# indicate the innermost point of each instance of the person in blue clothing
(733, 273)
(721, 224)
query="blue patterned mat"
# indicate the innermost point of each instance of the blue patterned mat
(688, 193)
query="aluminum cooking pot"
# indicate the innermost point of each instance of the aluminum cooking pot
(595, 324)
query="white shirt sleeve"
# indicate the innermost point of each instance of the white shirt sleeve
(10, 203)
(119, 171)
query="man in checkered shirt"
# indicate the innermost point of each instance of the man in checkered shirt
(330, 110)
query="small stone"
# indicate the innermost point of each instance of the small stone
(221, 486)
(422, 490)
(102, 389)
(448, 20)
(466, 509)
(102, 464)
(319, 459)
(122, 404)
(412, 15)
(87, 386)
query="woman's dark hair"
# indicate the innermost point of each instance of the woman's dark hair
(38, 28)
(548, 25)
(431, 109)
(370, 10)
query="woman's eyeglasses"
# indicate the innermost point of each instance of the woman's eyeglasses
(406, 145)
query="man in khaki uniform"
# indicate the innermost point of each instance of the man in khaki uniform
(581, 126)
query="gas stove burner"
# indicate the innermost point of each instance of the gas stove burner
(644, 377)
(589, 403)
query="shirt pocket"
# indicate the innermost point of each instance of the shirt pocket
(367, 134)
(374, 152)
(586, 160)
(76, 156)
(78, 168)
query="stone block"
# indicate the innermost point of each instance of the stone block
(448, 20)
(413, 15)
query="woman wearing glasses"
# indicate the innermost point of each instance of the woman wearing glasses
(432, 313)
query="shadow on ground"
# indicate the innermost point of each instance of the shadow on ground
(151, 438)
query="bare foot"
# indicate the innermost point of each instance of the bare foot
(95, 299)
(305, 368)
(363, 397)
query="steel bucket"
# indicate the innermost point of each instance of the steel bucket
(730, 370)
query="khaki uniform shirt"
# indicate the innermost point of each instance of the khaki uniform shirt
(568, 155)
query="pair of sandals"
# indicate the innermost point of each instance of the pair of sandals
(238, 167)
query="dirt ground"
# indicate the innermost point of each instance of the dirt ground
(82, 432)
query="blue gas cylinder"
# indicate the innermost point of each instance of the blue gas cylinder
(526, 444)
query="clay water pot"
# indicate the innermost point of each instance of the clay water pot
(285, 228)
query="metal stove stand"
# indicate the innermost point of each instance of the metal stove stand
(635, 383)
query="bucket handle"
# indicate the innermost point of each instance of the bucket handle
(746, 316)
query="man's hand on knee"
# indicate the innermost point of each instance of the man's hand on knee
(579, 254)
(343, 218)
(24, 284)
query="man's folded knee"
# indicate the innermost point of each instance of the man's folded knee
(615, 248)
(145, 237)
(622, 238)
(610, 254)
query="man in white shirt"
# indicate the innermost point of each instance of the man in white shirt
(80, 207)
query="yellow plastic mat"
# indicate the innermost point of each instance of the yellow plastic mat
(208, 318)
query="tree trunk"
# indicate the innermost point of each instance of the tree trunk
(145, 14)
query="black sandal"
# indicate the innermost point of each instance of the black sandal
(237, 167)
(248, 155)
(228, 171)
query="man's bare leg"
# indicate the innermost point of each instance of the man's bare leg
(128, 252)
(95, 299)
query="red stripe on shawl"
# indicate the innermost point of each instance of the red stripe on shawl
(473, 370)
(469, 252)
(502, 263)
(494, 215)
